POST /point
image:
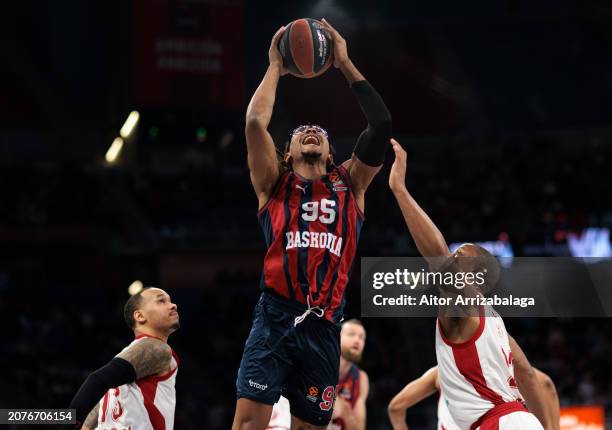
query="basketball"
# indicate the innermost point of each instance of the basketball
(306, 48)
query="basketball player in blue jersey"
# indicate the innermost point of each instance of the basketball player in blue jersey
(311, 211)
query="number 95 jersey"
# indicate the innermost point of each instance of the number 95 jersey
(312, 229)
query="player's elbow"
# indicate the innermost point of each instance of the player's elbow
(395, 408)
(253, 123)
(547, 382)
(381, 128)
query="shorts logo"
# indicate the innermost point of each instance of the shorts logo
(313, 392)
(258, 386)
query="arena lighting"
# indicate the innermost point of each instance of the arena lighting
(129, 124)
(115, 149)
(135, 287)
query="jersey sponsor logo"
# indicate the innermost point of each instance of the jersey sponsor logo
(257, 385)
(303, 189)
(313, 239)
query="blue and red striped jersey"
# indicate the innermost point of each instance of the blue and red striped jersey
(348, 386)
(312, 229)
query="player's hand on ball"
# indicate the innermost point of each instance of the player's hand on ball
(274, 54)
(397, 178)
(340, 49)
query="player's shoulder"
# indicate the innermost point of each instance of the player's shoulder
(363, 375)
(364, 382)
(151, 346)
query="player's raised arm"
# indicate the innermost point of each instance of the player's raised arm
(147, 357)
(369, 153)
(529, 386)
(428, 238)
(263, 164)
(410, 395)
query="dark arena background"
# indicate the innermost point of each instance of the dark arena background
(504, 108)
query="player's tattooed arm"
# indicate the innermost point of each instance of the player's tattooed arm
(263, 163)
(428, 238)
(148, 357)
(91, 422)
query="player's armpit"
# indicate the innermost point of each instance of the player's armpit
(91, 422)
(148, 357)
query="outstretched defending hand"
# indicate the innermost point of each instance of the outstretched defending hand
(397, 177)
(340, 50)
(274, 54)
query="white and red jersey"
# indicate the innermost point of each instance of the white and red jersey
(445, 420)
(477, 376)
(281, 415)
(145, 404)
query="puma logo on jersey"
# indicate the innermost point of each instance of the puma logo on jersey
(299, 187)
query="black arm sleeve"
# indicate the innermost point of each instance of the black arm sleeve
(117, 372)
(374, 140)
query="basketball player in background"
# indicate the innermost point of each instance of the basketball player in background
(417, 390)
(311, 211)
(351, 391)
(429, 383)
(135, 389)
(474, 355)
(353, 385)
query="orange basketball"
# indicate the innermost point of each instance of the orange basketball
(306, 48)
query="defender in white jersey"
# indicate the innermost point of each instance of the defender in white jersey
(474, 357)
(135, 390)
(429, 383)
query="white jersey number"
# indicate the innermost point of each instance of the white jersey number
(311, 211)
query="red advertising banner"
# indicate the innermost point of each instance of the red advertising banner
(188, 52)
(583, 418)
